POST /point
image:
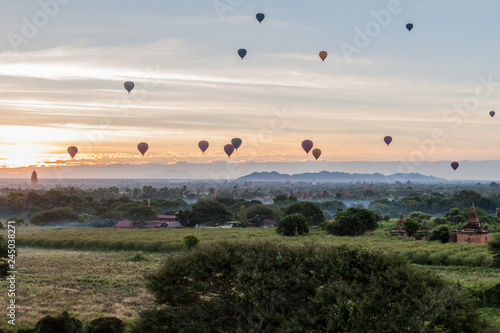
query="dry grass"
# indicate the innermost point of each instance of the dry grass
(92, 284)
(87, 284)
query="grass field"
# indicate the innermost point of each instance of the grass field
(88, 274)
(170, 240)
(89, 284)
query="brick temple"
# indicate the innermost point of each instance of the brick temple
(472, 232)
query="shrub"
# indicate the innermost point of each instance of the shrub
(19, 220)
(494, 248)
(190, 241)
(290, 223)
(4, 253)
(59, 324)
(138, 257)
(272, 287)
(105, 325)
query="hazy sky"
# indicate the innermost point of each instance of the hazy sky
(63, 64)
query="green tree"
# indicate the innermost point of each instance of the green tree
(282, 199)
(258, 213)
(4, 256)
(242, 217)
(274, 287)
(54, 215)
(209, 212)
(455, 216)
(184, 218)
(290, 223)
(465, 199)
(494, 247)
(139, 213)
(311, 211)
(440, 233)
(352, 222)
(419, 216)
(410, 226)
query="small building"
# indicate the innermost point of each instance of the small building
(165, 218)
(472, 232)
(174, 224)
(398, 230)
(34, 178)
(124, 224)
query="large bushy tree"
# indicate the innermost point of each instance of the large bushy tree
(209, 212)
(352, 222)
(272, 287)
(311, 211)
(291, 223)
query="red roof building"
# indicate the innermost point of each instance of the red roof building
(124, 224)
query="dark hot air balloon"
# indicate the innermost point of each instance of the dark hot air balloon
(242, 53)
(229, 149)
(388, 140)
(492, 114)
(316, 153)
(203, 145)
(129, 85)
(260, 17)
(454, 165)
(236, 142)
(323, 55)
(307, 145)
(143, 147)
(409, 26)
(72, 150)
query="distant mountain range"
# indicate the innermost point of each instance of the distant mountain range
(341, 177)
(222, 170)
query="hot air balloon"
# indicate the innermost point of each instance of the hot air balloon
(316, 153)
(307, 145)
(72, 150)
(229, 148)
(454, 165)
(129, 85)
(388, 140)
(143, 147)
(409, 26)
(242, 53)
(260, 17)
(492, 114)
(236, 142)
(203, 145)
(323, 55)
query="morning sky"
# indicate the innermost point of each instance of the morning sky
(64, 62)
